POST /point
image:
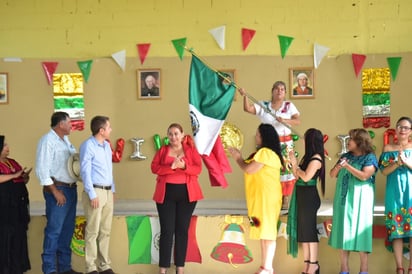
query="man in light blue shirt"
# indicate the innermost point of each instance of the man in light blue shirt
(60, 193)
(97, 175)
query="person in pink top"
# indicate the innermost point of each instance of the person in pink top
(177, 166)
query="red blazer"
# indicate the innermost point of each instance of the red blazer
(161, 166)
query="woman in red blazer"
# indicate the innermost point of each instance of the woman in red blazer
(177, 166)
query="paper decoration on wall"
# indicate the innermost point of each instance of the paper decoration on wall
(324, 228)
(394, 63)
(376, 97)
(85, 67)
(142, 50)
(247, 36)
(180, 45)
(318, 53)
(284, 42)
(219, 35)
(77, 243)
(120, 58)
(68, 97)
(137, 154)
(232, 247)
(144, 233)
(358, 60)
(49, 69)
(231, 136)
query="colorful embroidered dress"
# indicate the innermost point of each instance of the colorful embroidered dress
(353, 206)
(398, 197)
(264, 195)
(286, 111)
(14, 221)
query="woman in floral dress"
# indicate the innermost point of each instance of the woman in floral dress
(396, 163)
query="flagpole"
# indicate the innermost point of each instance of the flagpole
(250, 97)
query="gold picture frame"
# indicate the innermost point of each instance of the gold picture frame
(304, 89)
(4, 88)
(149, 84)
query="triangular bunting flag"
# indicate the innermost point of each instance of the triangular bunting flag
(219, 35)
(143, 49)
(394, 63)
(180, 45)
(120, 58)
(285, 43)
(319, 53)
(85, 67)
(49, 69)
(358, 61)
(247, 36)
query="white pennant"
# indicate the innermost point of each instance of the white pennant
(219, 35)
(120, 58)
(319, 53)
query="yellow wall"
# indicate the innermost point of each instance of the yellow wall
(337, 107)
(98, 28)
(69, 31)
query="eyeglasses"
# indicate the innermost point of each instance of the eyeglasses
(403, 128)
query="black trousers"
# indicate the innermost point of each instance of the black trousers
(174, 216)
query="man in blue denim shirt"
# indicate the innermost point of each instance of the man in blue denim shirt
(60, 193)
(96, 169)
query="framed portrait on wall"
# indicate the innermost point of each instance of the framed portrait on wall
(149, 83)
(4, 88)
(231, 74)
(301, 83)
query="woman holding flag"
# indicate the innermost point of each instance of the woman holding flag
(281, 114)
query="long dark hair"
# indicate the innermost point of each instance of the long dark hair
(270, 139)
(314, 145)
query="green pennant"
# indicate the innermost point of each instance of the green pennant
(285, 43)
(85, 67)
(394, 63)
(179, 45)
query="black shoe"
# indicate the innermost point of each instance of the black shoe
(71, 271)
(107, 271)
(93, 272)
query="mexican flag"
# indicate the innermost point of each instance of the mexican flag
(144, 234)
(210, 99)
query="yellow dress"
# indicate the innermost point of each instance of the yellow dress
(264, 195)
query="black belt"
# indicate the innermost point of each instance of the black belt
(103, 187)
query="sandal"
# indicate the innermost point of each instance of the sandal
(400, 269)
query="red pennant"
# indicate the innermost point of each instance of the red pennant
(143, 49)
(358, 60)
(49, 69)
(247, 36)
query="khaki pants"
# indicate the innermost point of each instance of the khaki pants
(97, 232)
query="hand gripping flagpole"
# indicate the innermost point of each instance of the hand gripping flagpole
(250, 97)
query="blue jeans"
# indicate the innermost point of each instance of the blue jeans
(59, 230)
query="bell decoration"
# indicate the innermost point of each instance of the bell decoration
(231, 248)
